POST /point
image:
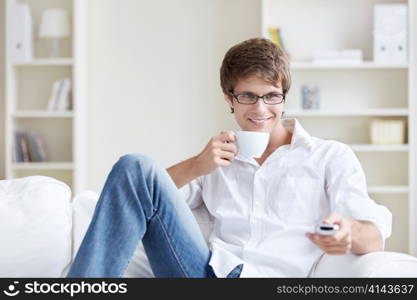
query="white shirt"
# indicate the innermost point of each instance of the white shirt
(261, 213)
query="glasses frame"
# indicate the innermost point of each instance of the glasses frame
(257, 98)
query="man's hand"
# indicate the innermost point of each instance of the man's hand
(338, 243)
(219, 152)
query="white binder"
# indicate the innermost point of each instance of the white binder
(21, 33)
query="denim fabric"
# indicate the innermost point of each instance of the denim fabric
(235, 273)
(140, 201)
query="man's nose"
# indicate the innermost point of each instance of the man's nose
(260, 105)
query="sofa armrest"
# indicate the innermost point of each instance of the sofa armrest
(35, 227)
(374, 264)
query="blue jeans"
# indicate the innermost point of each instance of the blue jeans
(140, 202)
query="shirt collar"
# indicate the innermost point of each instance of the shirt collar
(300, 136)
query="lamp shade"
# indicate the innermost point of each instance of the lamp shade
(54, 24)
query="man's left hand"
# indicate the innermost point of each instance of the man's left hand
(339, 243)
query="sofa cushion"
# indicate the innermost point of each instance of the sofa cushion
(374, 264)
(377, 264)
(35, 227)
(83, 208)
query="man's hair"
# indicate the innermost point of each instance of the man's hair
(259, 57)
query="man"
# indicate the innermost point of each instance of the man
(264, 210)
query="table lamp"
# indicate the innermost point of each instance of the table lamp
(54, 26)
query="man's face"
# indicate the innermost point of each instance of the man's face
(259, 116)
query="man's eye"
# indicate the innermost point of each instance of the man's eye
(270, 96)
(249, 96)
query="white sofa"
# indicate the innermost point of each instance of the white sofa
(42, 226)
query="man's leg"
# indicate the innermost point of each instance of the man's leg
(140, 201)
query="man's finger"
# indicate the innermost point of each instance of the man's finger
(227, 155)
(333, 218)
(227, 136)
(228, 147)
(336, 250)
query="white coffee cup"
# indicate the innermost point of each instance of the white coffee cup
(251, 143)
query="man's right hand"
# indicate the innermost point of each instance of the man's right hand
(219, 152)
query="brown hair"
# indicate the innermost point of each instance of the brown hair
(257, 56)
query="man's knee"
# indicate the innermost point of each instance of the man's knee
(128, 161)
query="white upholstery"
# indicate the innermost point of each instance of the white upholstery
(377, 264)
(35, 227)
(41, 230)
(83, 208)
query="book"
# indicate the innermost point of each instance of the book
(31, 148)
(61, 96)
(54, 95)
(24, 146)
(28, 147)
(63, 102)
(41, 151)
(280, 39)
(17, 147)
(275, 34)
(34, 149)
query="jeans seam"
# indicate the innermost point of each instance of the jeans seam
(170, 245)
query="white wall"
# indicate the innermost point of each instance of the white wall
(153, 76)
(2, 94)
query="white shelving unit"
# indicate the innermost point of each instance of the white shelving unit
(28, 87)
(366, 65)
(43, 166)
(379, 148)
(349, 112)
(42, 114)
(45, 62)
(352, 95)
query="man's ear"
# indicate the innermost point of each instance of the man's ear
(228, 99)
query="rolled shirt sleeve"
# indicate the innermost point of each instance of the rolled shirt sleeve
(346, 188)
(193, 193)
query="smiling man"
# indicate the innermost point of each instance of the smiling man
(264, 210)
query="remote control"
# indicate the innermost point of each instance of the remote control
(327, 229)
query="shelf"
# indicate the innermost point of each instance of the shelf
(28, 86)
(352, 94)
(45, 62)
(347, 112)
(43, 166)
(388, 189)
(367, 65)
(42, 114)
(379, 148)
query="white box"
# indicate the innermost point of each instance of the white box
(21, 33)
(390, 33)
(387, 132)
(332, 56)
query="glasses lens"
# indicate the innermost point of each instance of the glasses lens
(246, 99)
(274, 98)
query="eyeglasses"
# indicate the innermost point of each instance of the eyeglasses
(249, 98)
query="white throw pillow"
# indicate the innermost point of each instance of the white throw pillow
(35, 227)
(83, 208)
